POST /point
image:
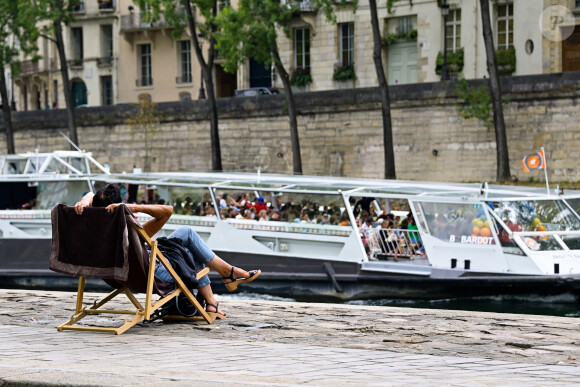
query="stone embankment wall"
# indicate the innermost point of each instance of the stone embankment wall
(340, 133)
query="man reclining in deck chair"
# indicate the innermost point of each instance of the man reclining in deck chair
(110, 197)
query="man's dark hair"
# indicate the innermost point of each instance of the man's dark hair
(109, 194)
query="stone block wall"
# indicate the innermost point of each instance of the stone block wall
(340, 133)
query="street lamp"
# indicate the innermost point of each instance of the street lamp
(444, 68)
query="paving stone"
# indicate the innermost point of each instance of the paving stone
(311, 353)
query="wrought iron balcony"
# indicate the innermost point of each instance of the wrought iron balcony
(183, 78)
(144, 82)
(29, 67)
(139, 21)
(76, 63)
(106, 61)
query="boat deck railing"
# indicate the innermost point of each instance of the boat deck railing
(291, 227)
(203, 221)
(273, 226)
(25, 214)
(394, 244)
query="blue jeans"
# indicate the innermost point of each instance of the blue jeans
(201, 252)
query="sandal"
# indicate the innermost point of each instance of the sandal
(231, 286)
(215, 314)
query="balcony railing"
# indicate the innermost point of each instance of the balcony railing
(138, 21)
(144, 82)
(183, 78)
(307, 6)
(75, 63)
(106, 61)
(29, 67)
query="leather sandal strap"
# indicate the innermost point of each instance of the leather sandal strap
(231, 276)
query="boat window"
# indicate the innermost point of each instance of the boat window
(290, 206)
(195, 202)
(67, 192)
(537, 215)
(14, 167)
(457, 222)
(363, 207)
(78, 163)
(575, 204)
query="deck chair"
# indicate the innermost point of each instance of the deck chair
(112, 247)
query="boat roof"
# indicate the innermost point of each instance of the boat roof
(77, 165)
(358, 187)
(43, 166)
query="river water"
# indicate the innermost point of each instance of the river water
(564, 305)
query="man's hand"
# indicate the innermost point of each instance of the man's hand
(111, 207)
(79, 207)
(86, 201)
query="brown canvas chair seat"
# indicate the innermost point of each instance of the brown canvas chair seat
(112, 247)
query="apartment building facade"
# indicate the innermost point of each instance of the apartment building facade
(116, 55)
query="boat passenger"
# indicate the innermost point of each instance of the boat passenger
(110, 197)
(275, 216)
(263, 216)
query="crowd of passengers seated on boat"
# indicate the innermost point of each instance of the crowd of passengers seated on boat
(383, 233)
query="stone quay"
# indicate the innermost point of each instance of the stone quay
(285, 344)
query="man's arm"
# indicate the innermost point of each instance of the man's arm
(86, 201)
(160, 214)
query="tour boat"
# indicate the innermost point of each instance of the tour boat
(465, 240)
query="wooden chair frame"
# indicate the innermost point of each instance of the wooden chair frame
(141, 312)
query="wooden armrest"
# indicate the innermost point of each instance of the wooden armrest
(203, 272)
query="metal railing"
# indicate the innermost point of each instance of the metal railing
(183, 78)
(138, 21)
(387, 243)
(144, 82)
(105, 61)
(244, 224)
(302, 228)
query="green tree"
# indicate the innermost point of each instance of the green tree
(477, 103)
(18, 34)
(198, 16)
(390, 172)
(52, 15)
(251, 31)
(503, 165)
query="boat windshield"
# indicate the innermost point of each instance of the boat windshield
(575, 204)
(538, 216)
(455, 222)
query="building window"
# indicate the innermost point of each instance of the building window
(106, 4)
(107, 39)
(78, 6)
(106, 90)
(346, 43)
(302, 48)
(505, 26)
(405, 25)
(145, 78)
(453, 30)
(576, 3)
(184, 62)
(77, 45)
